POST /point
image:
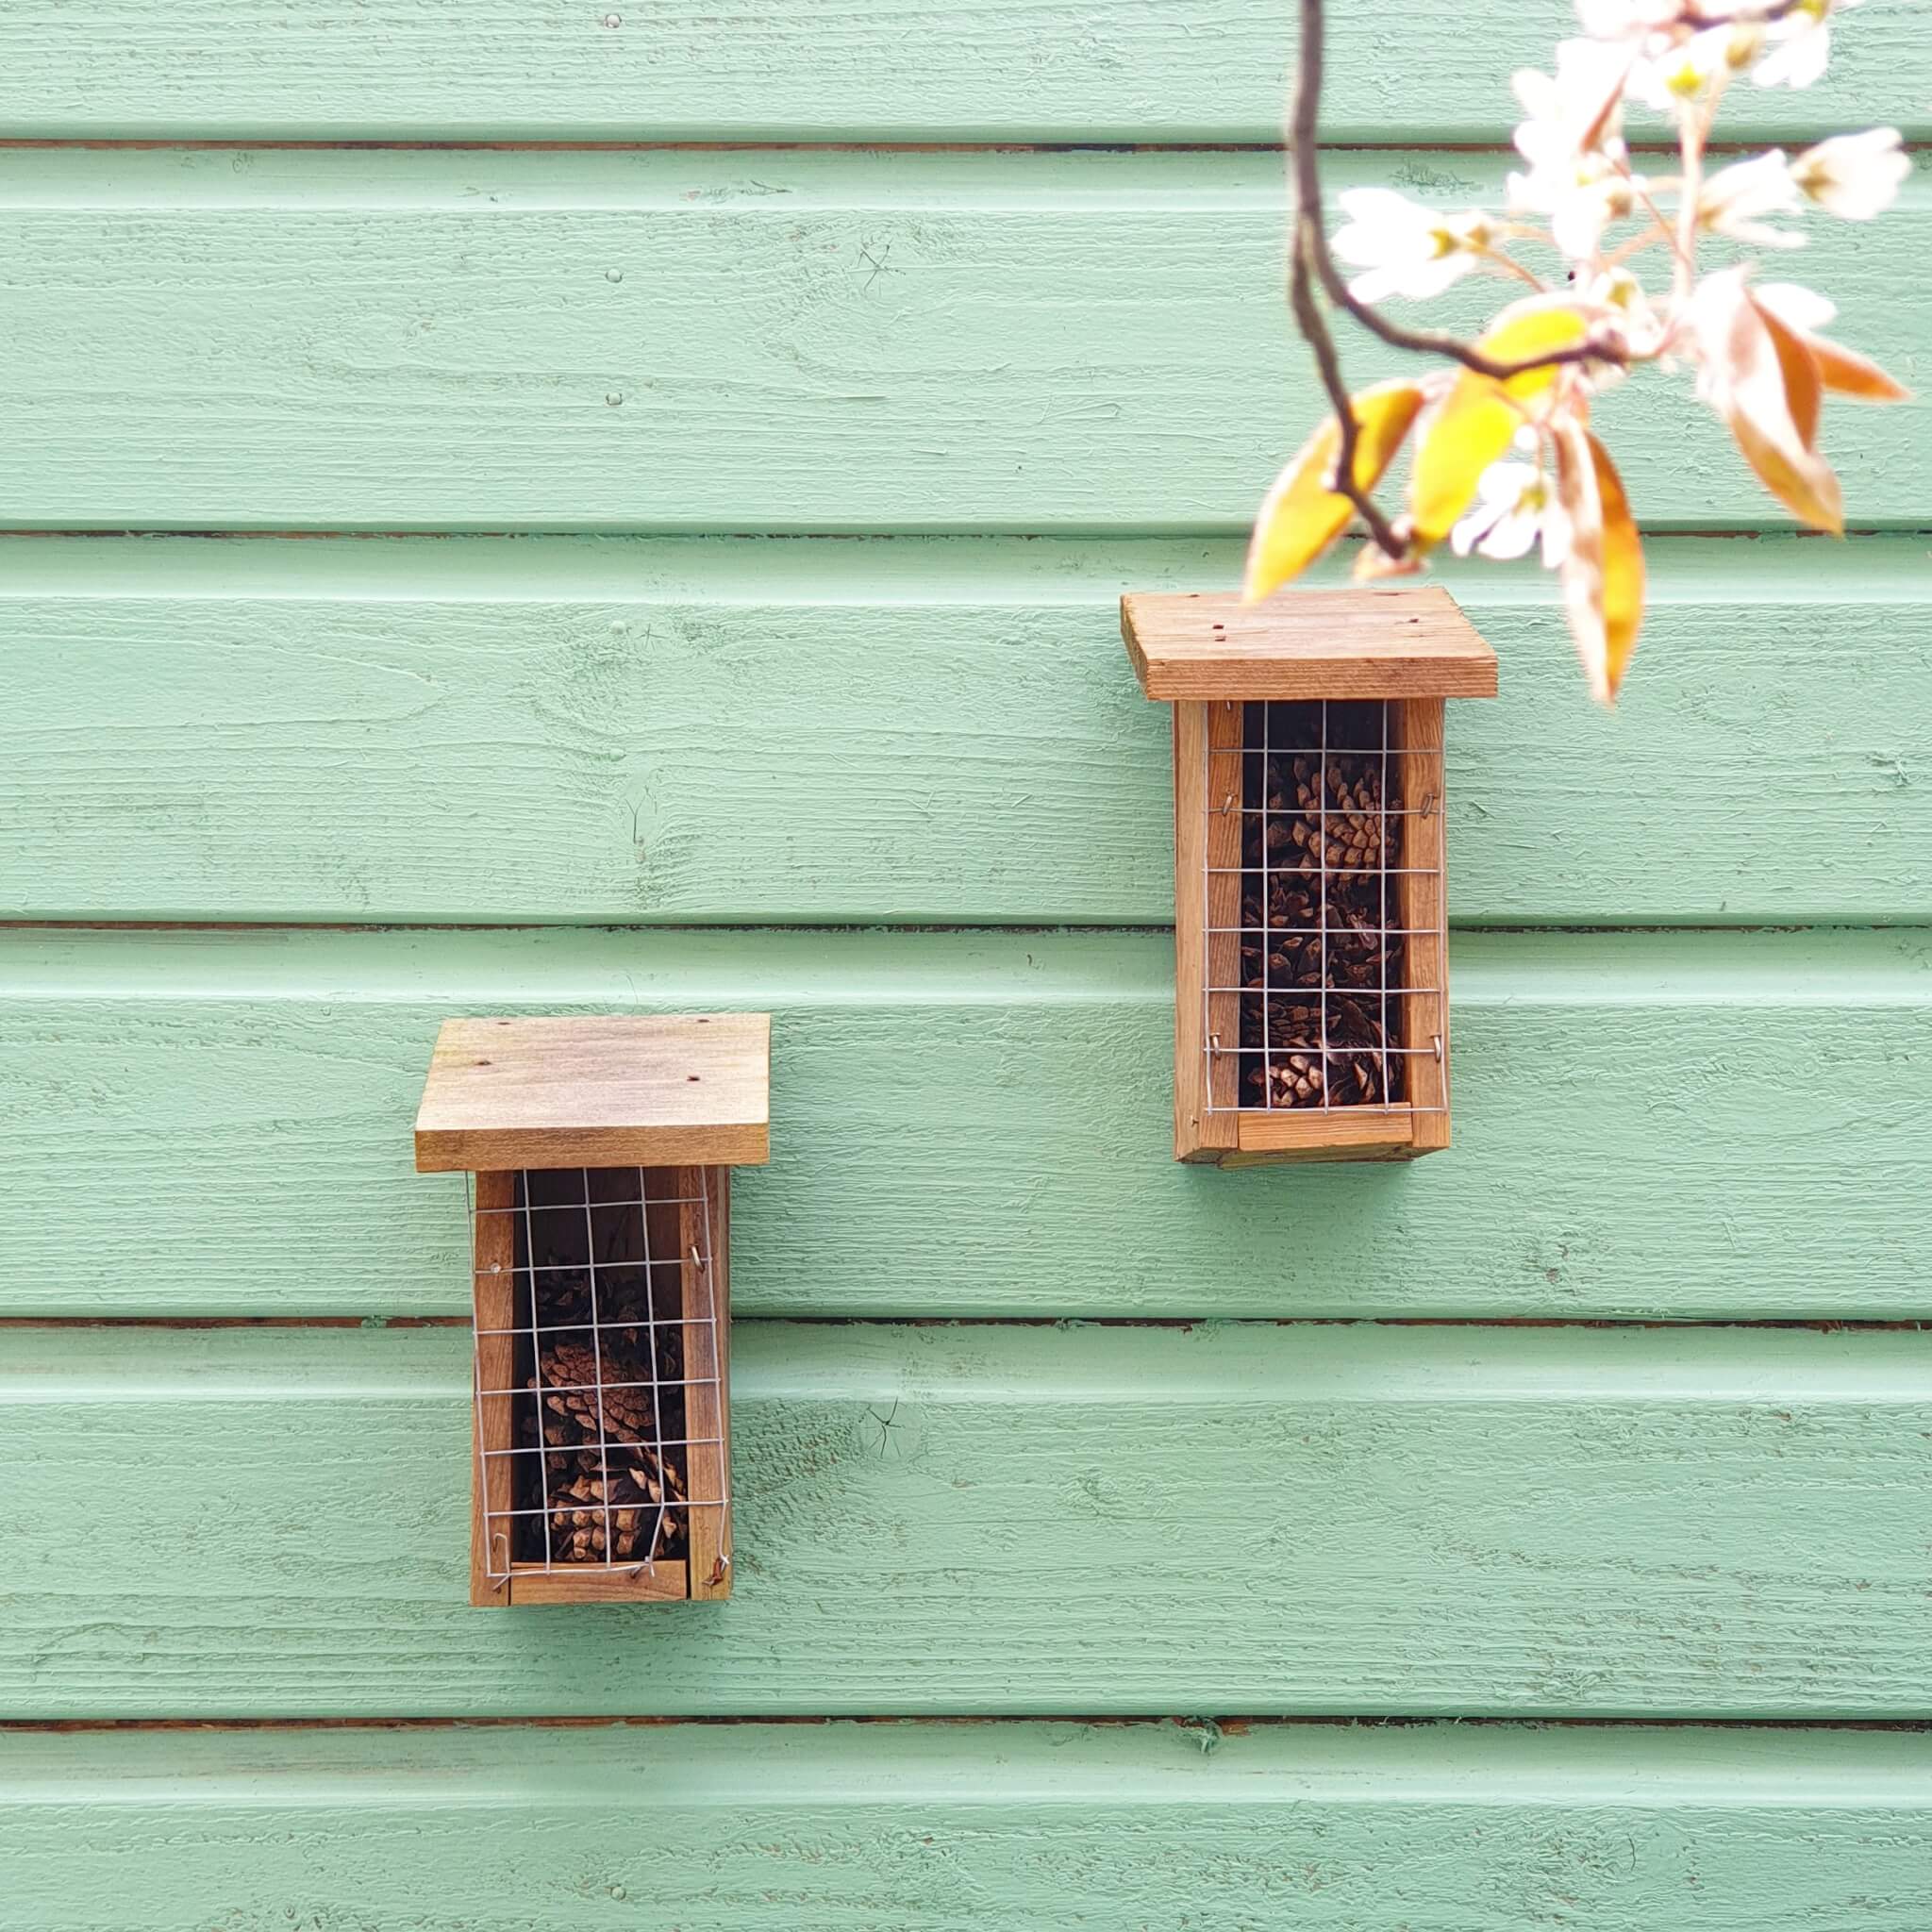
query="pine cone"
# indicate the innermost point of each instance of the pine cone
(603, 1448)
(1316, 908)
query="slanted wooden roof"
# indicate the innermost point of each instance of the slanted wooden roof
(628, 1090)
(1401, 641)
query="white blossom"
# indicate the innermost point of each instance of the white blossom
(1580, 205)
(1574, 111)
(1404, 248)
(1803, 47)
(1854, 175)
(1735, 199)
(1674, 72)
(1514, 506)
(1618, 292)
(1570, 140)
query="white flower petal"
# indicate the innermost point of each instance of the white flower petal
(1512, 536)
(1803, 308)
(1856, 176)
(1801, 57)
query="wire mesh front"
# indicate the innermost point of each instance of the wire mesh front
(1321, 897)
(599, 1401)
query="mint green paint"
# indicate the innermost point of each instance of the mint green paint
(1010, 1520)
(864, 69)
(997, 1518)
(1082, 343)
(832, 1828)
(906, 729)
(1694, 1125)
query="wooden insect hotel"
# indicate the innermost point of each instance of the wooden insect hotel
(601, 1152)
(1312, 1018)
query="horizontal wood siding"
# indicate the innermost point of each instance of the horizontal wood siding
(1010, 1520)
(833, 1827)
(977, 1126)
(681, 342)
(906, 729)
(806, 70)
(708, 548)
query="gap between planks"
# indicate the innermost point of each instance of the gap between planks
(1206, 1726)
(778, 145)
(1812, 1326)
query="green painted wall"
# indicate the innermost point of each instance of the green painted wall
(518, 567)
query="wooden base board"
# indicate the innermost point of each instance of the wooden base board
(1268, 1138)
(662, 1583)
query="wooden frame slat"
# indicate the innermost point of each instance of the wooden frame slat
(1417, 724)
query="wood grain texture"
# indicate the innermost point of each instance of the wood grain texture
(689, 341)
(930, 730)
(1253, 1518)
(493, 1275)
(997, 70)
(1207, 894)
(1648, 1124)
(1421, 910)
(619, 1090)
(951, 1828)
(1360, 642)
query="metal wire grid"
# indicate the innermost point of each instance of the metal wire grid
(1236, 785)
(619, 1225)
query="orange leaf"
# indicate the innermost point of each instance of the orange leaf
(1479, 416)
(1764, 382)
(1845, 373)
(1603, 571)
(1804, 392)
(1301, 516)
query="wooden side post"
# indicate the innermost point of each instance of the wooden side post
(495, 1302)
(1208, 902)
(1418, 735)
(705, 1245)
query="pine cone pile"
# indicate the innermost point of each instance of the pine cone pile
(1317, 904)
(630, 1486)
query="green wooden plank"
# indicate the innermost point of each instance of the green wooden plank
(1650, 1125)
(1009, 1519)
(926, 730)
(997, 70)
(690, 343)
(940, 1828)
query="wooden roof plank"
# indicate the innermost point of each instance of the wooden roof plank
(1410, 640)
(615, 1090)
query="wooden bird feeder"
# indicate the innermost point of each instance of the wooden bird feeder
(601, 1152)
(1312, 1018)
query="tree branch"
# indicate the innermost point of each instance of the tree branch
(1308, 244)
(1303, 137)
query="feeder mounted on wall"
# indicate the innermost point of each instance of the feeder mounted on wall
(601, 1152)
(1312, 1018)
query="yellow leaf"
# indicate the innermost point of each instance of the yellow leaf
(1475, 423)
(1301, 516)
(1603, 569)
(1622, 573)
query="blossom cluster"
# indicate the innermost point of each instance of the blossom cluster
(1506, 458)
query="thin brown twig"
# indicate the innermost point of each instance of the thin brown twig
(1304, 134)
(1308, 242)
(1698, 21)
